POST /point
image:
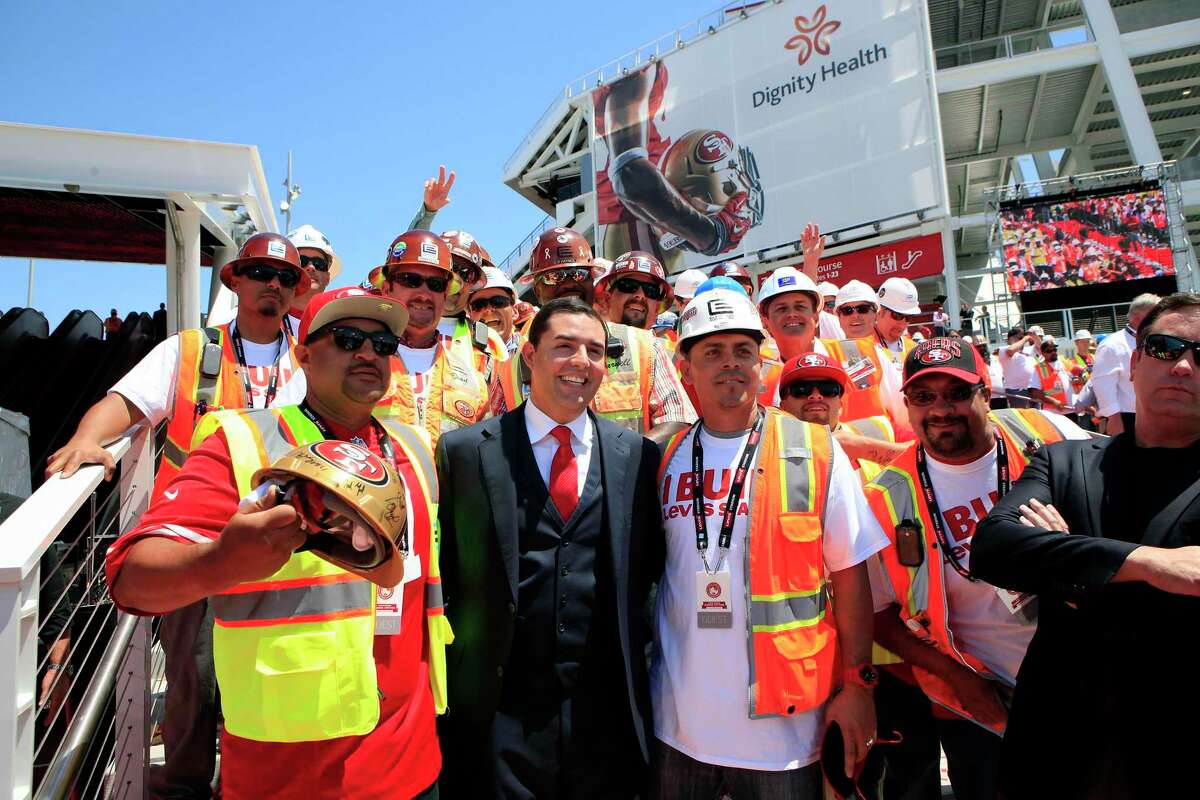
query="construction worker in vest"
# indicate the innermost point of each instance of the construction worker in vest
(664, 328)
(788, 301)
(634, 291)
(764, 519)
(494, 304)
(641, 389)
(962, 639)
(897, 306)
(811, 388)
(1078, 366)
(319, 261)
(1049, 384)
(239, 365)
(329, 683)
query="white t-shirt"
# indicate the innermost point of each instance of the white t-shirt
(150, 385)
(699, 679)
(1111, 380)
(829, 326)
(996, 373)
(980, 622)
(1017, 368)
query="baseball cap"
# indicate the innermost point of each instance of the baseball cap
(813, 366)
(350, 302)
(945, 356)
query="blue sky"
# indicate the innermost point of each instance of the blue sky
(371, 96)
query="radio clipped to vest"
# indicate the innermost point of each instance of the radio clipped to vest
(210, 370)
(909, 548)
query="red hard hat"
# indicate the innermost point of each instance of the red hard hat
(269, 248)
(558, 248)
(524, 311)
(413, 249)
(467, 259)
(638, 261)
(732, 269)
(487, 259)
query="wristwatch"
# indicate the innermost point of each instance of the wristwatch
(864, 675)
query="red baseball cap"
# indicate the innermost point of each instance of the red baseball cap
(351, 302)
(813, 367)
(945, 356)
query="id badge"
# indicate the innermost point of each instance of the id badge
(1021, 605)
(713, 600)
(860, 371)
(389, 602)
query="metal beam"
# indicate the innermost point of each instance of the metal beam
(1088, 106)
(1033, 111)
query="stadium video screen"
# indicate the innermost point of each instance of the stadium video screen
(1053, 243)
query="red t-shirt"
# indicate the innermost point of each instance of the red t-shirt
(397, 760)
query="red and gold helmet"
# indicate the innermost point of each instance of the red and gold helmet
(638, 262)
(413, 249)
(558, 248)
(268, 248)
(467, 259)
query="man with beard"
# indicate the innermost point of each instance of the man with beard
(962, 639)
(641, 389)
(494, 304)
(635, 291)
(239, 365)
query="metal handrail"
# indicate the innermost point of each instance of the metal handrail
(511, 260)
(62, 773)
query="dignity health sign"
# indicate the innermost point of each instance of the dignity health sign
(804, 111)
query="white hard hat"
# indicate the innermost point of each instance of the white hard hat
(1036, 330)
(827, 289)
(687, 282)
(495, 279)
(719, 311)
(1083, 333)
(788, 279)
(856, 292)
(1050, 340)
(308, 236)
(899, 295)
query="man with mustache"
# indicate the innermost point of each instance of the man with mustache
(550, 541)
(641, 389)
(760, 508)
(962, 640)
(243, 364)
(324, 692)
(634, 291)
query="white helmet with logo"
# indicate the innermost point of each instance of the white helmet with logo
(308, 236)
(495, 279)
(719, 311)
(899, 295)
(856, 291)
(788, 279)
(687, 282)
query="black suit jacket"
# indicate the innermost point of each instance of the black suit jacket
(479, 554)
(1107, 679)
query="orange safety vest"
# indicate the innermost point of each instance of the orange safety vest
(793, 642)
(624, 394)
(896, 499)
(196, 393)
(457, 395)
(1051, 385)
(863, 364)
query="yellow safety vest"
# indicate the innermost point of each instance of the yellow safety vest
(294, 651)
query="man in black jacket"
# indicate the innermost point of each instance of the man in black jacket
(551, 538)
(1105, 532)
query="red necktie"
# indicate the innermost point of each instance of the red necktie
(564, 474)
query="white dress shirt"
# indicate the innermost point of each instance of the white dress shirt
(1110, 375)
(545, 445)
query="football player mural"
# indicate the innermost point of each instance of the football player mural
(700, 192)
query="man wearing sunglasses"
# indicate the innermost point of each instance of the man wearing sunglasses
(962, 640)
(494, 305)
(897, 306)
(1104, 532)
(360, 681)
(319, 261)
(856, 306)
(641, 389)
(242, 364)
(764, 516)
(634, 291)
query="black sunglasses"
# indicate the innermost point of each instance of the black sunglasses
(631, 286)
(496, 301)
(350, 339)
(411, 280)
(288, 277)
(1165, 347)
(861, 308)
(565, 275)
(319, 263)
(959, 394)
(799, 389)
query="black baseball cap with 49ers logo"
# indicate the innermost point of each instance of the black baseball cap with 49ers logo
(945, 356)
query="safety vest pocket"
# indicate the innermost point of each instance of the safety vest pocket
(801, 551)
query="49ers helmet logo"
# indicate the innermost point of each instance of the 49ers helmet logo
(352, 458)
(938, 352)
(714, 147)
(814, 360)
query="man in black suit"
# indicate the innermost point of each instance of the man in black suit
(551, 538)
(1105, 532)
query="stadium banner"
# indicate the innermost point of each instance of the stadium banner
(804, 111)
(1085, 239)
(916, 257)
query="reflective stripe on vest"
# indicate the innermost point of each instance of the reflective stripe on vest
(1051, 385)
(463, 390)
(860, 358)
(921, 591)
(879, 428)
